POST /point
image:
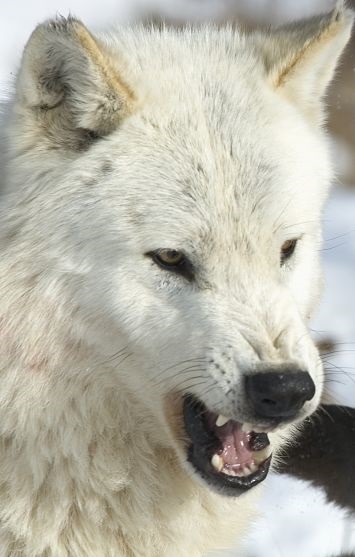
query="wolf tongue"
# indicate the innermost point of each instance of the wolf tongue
(235, 443)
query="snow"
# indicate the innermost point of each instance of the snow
(296, 521)
(336, 316)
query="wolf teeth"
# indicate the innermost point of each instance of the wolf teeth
(217, 462)
(247, 427)
(260, 456)
(245, 472)
(252, 467)
(221, 420)
(261, 429)
(230, 472)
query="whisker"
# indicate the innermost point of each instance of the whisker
(280, 215)
(336, 352)
(332, 247)
(183, 372)
(298, 224)
(169, 368)
(339, 236)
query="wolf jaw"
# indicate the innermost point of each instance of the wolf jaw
(228, 455)
(203, 141)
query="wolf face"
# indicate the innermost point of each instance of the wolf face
(176, 180)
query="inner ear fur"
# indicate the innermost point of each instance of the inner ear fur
(69, 86)
(301, 58)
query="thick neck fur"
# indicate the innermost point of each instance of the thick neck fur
(79, 470)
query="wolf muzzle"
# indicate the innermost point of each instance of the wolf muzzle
(279, 396)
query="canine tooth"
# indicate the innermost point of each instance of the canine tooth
(217, 462)
(252, 467)
(221, 420)
(242, 473)
(261, 456)
(247, 428)
(260, 429)
(230, 472)
(248, 470)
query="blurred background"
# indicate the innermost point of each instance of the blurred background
(296, 519)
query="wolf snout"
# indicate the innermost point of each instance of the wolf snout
(278, 395)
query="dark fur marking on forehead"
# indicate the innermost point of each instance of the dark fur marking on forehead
(200, 169)
(135, 216)
(92, 181)
(187, 188)
(43, 174)
(106, 167)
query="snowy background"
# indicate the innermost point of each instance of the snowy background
(297, 520)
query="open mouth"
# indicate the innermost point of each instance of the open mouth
(225, 454)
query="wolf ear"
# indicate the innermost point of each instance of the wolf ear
(68, 85)
(301, 58)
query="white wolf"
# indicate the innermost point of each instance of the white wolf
(160, 222)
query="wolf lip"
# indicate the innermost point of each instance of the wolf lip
(227, 458)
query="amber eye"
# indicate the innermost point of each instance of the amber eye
(169, 257)
(173, 260)
(288, 249)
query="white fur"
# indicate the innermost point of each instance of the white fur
(198, 148)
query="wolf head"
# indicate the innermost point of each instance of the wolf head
(171, 182)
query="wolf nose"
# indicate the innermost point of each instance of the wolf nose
(279, 395)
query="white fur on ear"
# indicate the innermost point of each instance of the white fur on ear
(301, 58)
(69, 82)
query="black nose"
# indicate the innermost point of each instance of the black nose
(279, 395)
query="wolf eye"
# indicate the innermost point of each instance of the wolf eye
(169, 257)
(172, 260)
(287, 250)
